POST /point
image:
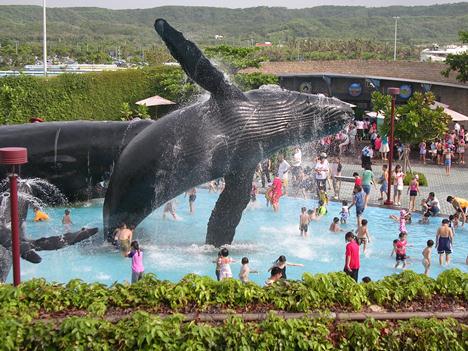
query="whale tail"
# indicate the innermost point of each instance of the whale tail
(195, 64)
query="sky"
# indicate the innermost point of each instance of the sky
(125, 4)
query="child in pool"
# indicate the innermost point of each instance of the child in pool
(400, 250)
(281, 263)
(66, 220)
(344, 214)
(394, 247)
(335, 226)
(224, 264)
(40, 216)
(245, 270)
(363, 235)
(312, 215)
(405, 217)
(137, 261)
(276, 274)
(321, 210)
(427, 256)
(304, 222)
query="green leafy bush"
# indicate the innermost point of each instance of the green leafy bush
(143, 331)
(453, 282)
(409, 176)
(193, 292)
(403, 287)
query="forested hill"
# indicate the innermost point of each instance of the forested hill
(418, 24)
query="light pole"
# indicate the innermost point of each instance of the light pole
(394, 44)
(393, 92)
(14, 156)
(44, 44)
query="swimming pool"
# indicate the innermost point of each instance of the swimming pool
(174, 248)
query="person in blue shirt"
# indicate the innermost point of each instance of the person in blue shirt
(359, 201)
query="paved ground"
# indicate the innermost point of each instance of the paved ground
(456, 184)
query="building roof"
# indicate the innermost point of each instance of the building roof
(404, 70)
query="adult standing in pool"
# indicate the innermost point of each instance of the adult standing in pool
(352, 263)
(444, 240)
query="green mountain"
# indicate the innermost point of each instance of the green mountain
(417, 24)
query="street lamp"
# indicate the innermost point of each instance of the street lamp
(44, 44)
(393, 92)
(14, 156)
(394, 45)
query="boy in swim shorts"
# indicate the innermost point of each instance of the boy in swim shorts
(427, 256)
(303, 222)
(363, 235)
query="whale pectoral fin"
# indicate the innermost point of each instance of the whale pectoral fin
(195, 64)
(28, 253)
(60, 241)
(228, 209)
(5, 263)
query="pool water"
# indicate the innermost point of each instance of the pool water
(174, 248)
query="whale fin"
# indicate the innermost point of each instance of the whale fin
(195, 64)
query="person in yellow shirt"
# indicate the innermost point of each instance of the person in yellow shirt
(460, 205)
(40, 216)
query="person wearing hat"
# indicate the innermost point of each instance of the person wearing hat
(321, 170)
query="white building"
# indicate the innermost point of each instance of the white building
(436, 54)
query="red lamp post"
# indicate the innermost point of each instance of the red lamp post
(14, 156)
(393, 92)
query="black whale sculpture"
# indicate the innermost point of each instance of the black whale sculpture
(74, 156)
(29, 247)
(227, 135)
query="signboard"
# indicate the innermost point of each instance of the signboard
(355, 89)
(405, 91)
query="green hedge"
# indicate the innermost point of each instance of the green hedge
(46, 316)
(91, 96)
(314, 292)
(141, 331)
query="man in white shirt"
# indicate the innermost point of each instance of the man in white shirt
(296, 164)
(321, 172)
(360, 129)
(283, 170)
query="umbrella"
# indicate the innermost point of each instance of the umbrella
(456, 116)
(155, 101)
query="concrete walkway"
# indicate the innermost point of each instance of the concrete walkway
(456, 184)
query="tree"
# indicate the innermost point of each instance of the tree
(458, 63)
(416, 120)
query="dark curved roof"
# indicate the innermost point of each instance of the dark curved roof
(400, 70)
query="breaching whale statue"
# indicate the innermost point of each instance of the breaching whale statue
(225, 136)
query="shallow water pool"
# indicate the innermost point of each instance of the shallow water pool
(174, 248)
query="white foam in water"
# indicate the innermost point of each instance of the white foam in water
(173, 249)
(103, 276)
